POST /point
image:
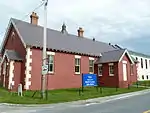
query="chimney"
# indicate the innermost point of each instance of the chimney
(80, 32)
(34, 18)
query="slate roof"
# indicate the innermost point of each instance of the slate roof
(33, 36)
(111, 56)
(13, 55)
(139, 54)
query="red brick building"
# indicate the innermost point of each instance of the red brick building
(69, 56)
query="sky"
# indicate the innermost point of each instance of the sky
(122, 22)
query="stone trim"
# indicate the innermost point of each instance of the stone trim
(28, 68)
(11, 75)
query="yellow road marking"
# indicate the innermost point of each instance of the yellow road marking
(147, 111)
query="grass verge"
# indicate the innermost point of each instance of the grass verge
(64, 95)
(145, 83)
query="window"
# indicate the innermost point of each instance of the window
(12, 37)
(50, 56)
(141, 63)
(132, 69)
(91, 66)
(147, 77)
(77, 65)
(100, 68)
(143, 77)
(4, 67)
(50, 63)
(111, 69)
(136, 58)
(146, 63)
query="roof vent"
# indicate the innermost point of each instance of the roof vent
(63, 30)
(93, 39)
(100, 54)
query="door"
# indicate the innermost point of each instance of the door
(124, 72)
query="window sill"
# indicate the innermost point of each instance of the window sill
(100, 75)
(76, 73)
(51, 73)
(111, 74)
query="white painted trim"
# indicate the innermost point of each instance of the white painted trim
(91, 58)
(98, 70)
(111, 74)
(28, 68)
(100, 64)
(77, 56)
(50, 53)
(124, 62)
(111, 64)
(77, 73)
(4, 56)
(6, 35)
(11, 75)
(24, 44)
(128, 56)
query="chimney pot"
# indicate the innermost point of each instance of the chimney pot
(34, 18)
(80, 32)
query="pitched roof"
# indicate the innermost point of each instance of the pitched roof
(13, 55)
(111, 56)
(139, 54)
(33, 35)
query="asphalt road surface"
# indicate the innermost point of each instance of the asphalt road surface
(135, 104)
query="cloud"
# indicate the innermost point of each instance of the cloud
(115, 21)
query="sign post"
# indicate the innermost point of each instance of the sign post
(89, 80)
(44, 69)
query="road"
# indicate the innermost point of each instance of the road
(135, 104)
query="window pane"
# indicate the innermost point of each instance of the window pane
(50, 67)
(77, 61)
(131, 69)
(100, 70)
(77, 68)
(91, 62)
(91, 69)
(111, 69)
(51, 58)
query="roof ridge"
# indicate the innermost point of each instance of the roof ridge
(139, 53)
(114, 50)
(87, 38)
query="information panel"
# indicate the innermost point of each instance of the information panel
(89, 80)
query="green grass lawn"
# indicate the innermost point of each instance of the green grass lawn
(143, 83)
(64, 95)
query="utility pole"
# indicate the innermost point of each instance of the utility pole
(43, 87)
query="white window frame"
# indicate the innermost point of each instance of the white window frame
(132, 69)
(77, 57)
(4, 67)
(111, 64)
(49, 53)
(100, 65)
(91, 59)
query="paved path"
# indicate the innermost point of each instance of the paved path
(134, 104)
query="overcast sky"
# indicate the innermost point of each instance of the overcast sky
(123, 22)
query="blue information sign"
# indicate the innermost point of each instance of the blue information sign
(89, 80)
